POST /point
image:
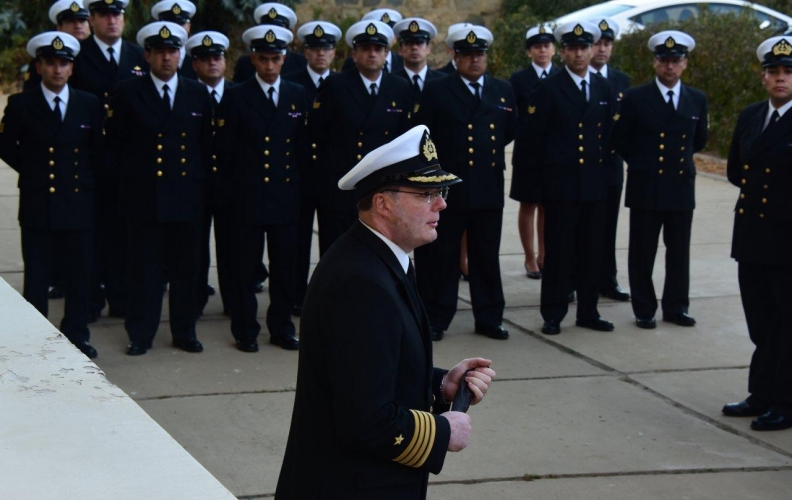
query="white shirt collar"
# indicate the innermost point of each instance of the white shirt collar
(220, 88)
(50, 97)
(389, 60)
(783, 109)
(172, 84)
(602, 71)
(468, 82)
(367, 83)
(266, 86)
(539, 69)
(400, 254)
(316, 76)
(578, 79)
(664, 91)
(421, 74)
(116, 49)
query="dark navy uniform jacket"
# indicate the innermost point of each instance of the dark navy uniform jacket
(93, 73)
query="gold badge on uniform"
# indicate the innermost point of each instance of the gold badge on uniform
(385, 18)
(782, 48)
(603, 25)
(57, 44)
(293, 107)
(414, 27)
(371, 30)
(578, 30)
(399, 440)
(393, 104)
(221, 122)
(109, 113)
(670, 42)
(531, 110)
(270, 36)
(74, 7)
(503, 99)
(176, 9)
(164, 33)
(318, 31)
(316, 105)
(416, 108)
(272, 13)
(616, 117)
(471, 38)
(542, 30)
(207, 41)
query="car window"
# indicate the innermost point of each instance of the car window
(601, 10)
(765, 20)
(675, 13)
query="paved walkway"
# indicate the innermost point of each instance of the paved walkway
(584, 415)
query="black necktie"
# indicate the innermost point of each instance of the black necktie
(321, 81)
(271, 93)
(411, 275)
(544, 74)
(385, 69)
(214, 96)
(113, 62)
(166, 97)
(670, 101)
(59, 115)
(583, 89)
(415, 80)
(476, 87)
(373, 88)
(773, 118)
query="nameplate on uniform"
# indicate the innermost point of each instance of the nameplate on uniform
(295, 114)
(196, 114)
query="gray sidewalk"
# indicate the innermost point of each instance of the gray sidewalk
(585, 415)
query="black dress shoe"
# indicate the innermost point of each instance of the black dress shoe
(86, 349)
(747, 408)
(598, 324)
(135, 349)
(681, 319)
(534, 275)
(646, 323)
(551, 327)
(247, 345)
(773, 420)
(93, 317)
(615, 293)
(464, 277)
(288, 342)
(436, 334)
(55, 292)
(493, 332)
(210, 290)
(258, 287)
(571, 297)
(188, 345)
(296, 311)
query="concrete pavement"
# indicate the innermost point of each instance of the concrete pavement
(621, 415)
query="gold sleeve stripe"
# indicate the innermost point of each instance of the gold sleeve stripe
(420, 446)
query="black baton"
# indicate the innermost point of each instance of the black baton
(463, 397)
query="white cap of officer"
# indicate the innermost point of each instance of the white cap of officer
(275, 13)
(117, 6)
(207, 43)
(374, 32)
(267, 38)
(54, 44)
(415, 29)
(577, 33)
(775, 51)
(319, 34)
(161, 34)
(671, 43)
(539, 34)
(457, 26)
(176, 11)
(608, 27)
(387, 16)
(409, 160)
(64, 10)
(472, 38)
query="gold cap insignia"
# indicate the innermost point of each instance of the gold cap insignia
(782, 48)
(578, 30)
(207, 41)
(603, 25)
(414, 27)
(109, 2)
(531, 110)
(57, 44)
(176, 9)
(318, 31)
(371, 29)
(165, 33)
(471, 38)
(542, 30)
(429, 150)
(270, 36)
(74, 7)
(385, 18)
(272, 13)
(670, 42)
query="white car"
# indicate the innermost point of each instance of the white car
(635, 15)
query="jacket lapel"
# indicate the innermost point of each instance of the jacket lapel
(463, 93)
(597, 95)
(41, 108)
(254, 95)
(568, 87)
(768, 138)
(360, 94)
(656, 101)
(152, 98)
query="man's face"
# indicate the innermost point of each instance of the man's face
(164, 61)
(541, 53)
(471, 63)
(210, 68)
(412, 221)
(78, 28)
(319, 58)
(777, 81)
(55, 72)
(268, 65)
(416, 53)
(577, 57)
(669, 69)
(108, 26)
(369, 56)
(602, 51)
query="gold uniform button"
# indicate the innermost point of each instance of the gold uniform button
(387, 132)
(599, 125)
(662, 147)
(183, 161)
(492, 126)
(493, 138)
(159, 173)
(767, 170)
(581, 161)
(681, 172)
(184, 174)
(743, 182)
(159, 147)
(313, 157)
(288, 153)
(470, 163)
(580, 149)
(360, 144)
(580, 137)
(266, 166)
(76, 176)
(214, 169)
(184, 134)
(159, 161)
(470, 150)
(51, 163)
(266, 179)
(159, 135)
(106, 94)
(214, 157)
(761, 216)
(580, 125)
(288, 179)
(106, 106)
(494, 151)
(662, 135)
(183, 147)
(52, 176)
(682, 148)
(76, 150)
(361, 133)
(288, 140)
(681, 160)
(52, 190)
(470, 126)
(313, 145)
(742, 211)
(493, 164)
(742, 196)
(746, 167)
(266, 139)
(660, 159)
(266, 152)
(76, 190)
(51, 150)
(470, 138)
(660, 171)
(766, 186)
(288, 167)
(764, 200)
(684, 135)
(359, 157)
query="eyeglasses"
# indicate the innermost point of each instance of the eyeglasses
(429, 196)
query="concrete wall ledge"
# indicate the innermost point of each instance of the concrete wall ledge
(67, 432)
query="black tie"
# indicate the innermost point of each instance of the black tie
(476, 87)
(113, 62)
(544, 74)
(214, 96)
(59, 115)
(415, 80)
(670, 101)
(385, 69)
(166, 97)
(321, 81)
(411, 275)
(271, 93)
(773, 118)
(373, 88)
(583, 89)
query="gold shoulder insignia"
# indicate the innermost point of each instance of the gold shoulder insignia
(416, 108)
(616, 117)
(316, 104)
(109, 113)
(221, 122)
(531, 110)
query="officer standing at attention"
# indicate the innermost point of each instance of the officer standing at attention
(415, 39)
(318, 39)
(162, 190)
(759, 164)
(660, 125)
(569, 116)
(603, 49)
(207, 51)
(52, 136)
(540, 49)
(259, 128)
(393, 61)
(104, 60)
(179, 12)
(371, 417)
(271, 14)
(355, 112)
(479, 111)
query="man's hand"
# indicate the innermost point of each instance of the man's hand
(478, 380)
(460, 430)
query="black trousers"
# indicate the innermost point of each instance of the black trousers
(573, 258)
(437, 267)
(249, 251)
(153, 248)
(109, 271)
(40, 249)
(645, 226)
(612, 206)
(223, 232)
(765, 296)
